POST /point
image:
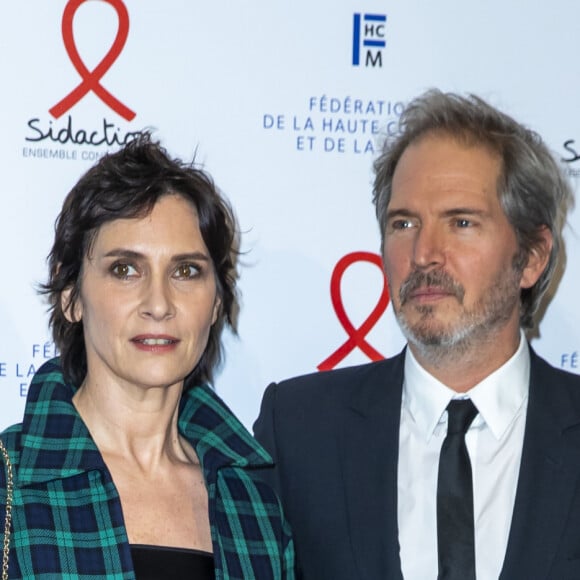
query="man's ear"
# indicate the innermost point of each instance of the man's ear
(72, 310)
(538, 258)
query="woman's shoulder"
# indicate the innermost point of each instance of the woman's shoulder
(10, 438)
(9, 451)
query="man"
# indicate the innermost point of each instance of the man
(470, 206)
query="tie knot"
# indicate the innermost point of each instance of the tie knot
(460, 414)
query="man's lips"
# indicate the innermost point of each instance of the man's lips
(430, 287)
(430, 293)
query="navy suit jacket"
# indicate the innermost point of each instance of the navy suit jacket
(334, 437)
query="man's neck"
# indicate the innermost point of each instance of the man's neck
(460, 367)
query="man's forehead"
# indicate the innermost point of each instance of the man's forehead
(445, 171)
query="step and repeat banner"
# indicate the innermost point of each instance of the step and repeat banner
(285, 104)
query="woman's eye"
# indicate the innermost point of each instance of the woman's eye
(186, 271)
(123, 270)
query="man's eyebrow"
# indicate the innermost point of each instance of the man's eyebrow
(464, 211)
(400, 212)
(403, 212)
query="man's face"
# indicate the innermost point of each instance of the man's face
(449, 249)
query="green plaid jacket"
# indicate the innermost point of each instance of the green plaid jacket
(67, 520)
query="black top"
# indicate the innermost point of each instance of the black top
(165, 563)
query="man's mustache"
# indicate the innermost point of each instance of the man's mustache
(433, 279)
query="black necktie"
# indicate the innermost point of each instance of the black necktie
(455, 535)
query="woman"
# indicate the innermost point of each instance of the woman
(127, 465)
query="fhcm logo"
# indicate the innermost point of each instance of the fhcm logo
(368, 39)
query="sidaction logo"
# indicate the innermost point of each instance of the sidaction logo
(65, 132)
(356, 336)
(368, 39)
(571, 158)
(91, 79)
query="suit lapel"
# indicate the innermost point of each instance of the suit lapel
(548, 476)
(370, 444)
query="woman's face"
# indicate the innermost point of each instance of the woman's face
(148, 298)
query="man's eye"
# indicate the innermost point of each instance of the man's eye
(401, 224)
(185, 271)
(463, 223)
(121, 270)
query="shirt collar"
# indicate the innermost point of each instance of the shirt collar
(218, 436)
(56, 443)
(498, 397)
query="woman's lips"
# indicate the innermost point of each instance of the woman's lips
(155, 342)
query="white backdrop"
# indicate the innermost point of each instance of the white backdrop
(270, 96)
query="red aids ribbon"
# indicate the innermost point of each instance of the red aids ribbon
(91, 78)
(356, 336)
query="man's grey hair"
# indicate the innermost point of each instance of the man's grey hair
(532, 189)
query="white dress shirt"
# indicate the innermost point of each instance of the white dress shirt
(494, 443)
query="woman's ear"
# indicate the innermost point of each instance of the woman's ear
(538, 258)
(216, 309)
(72, 309)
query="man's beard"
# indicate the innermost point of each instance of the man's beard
(440, 342)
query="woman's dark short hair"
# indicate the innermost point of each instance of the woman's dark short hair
(128, 184)
(532, 189)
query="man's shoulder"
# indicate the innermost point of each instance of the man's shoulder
(342, 381)
(554, 393)
(543, 372)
